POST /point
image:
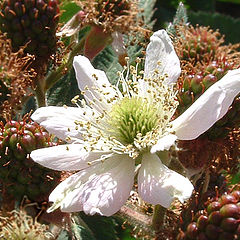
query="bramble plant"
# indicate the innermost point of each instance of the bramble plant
(118, 125)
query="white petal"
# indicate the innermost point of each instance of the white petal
(68, 157)
(59, 120)
(164, 143)
(85, 73)
(211, 106)
(157, 184)
(118, 43)
(72, 26)
(101, 189)
(160, 50)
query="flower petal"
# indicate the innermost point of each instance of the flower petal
(211, 106)
(102, 188)
(157, 184)
(72, 26)
(118, 43)
(68, 157)
(59, 120)
(99, 90)
(161, 56)
(164, 143)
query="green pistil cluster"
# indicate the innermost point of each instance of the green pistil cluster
(132, 117)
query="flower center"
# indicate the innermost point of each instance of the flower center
(131, 117)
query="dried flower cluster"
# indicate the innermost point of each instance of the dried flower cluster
(114, 15)
(18, 225)
(205, 59)
(16, 78)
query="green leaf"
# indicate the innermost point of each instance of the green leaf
(69, 10)
(148, 6)
(180, 18)
(108, 228)
(126, 232)
(172, 4)
(203, 5)
(64, 235)
(81, 233)
(235, 178)
(78, 233)
(230, 1)
(103, 228)
(79, 230)
(29, 106)
(226, 24)
(64, 90)
(107, 61)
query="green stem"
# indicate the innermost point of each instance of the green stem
(40, 94)
(55, 76)
(158, 218)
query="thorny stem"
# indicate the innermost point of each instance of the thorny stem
(55, 76)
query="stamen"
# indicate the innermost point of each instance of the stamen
(127, 122)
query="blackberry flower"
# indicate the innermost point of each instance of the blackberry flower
(125, 125)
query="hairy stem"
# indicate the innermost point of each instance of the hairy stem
(40, 96)
(39, 89)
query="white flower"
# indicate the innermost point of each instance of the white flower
(117, 130)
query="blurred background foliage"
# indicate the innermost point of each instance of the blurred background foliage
(218, 14)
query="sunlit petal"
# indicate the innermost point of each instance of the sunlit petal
(93, 82)
(211, 106)
(157, 184)
(161, 56)
(164, 143)
(101, 189)
(65, 157)
(59, 120)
